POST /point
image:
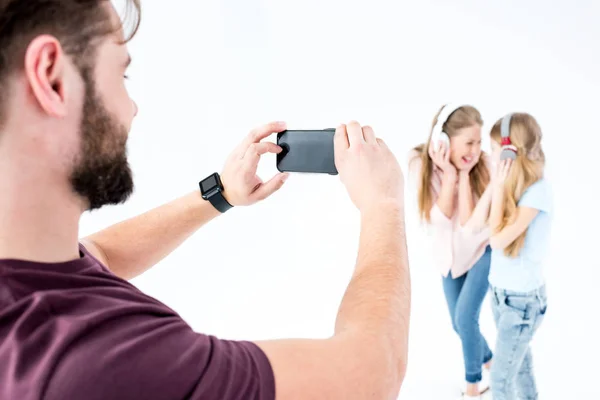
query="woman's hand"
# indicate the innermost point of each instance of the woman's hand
(441, 158)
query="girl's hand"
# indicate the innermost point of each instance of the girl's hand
(502, 172)
(441, 158)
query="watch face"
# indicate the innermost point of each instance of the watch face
(209, 184)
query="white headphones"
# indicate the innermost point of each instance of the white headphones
(437, 134)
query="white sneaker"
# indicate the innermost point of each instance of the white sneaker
(484, 384)
(467, 397)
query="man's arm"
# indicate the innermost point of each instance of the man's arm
(130, 248)
(367, 355)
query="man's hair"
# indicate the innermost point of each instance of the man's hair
(76, 24)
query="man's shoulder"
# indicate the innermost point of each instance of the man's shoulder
(156, 359)
(147, 349)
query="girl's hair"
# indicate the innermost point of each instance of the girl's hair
(463, 117)
(528, 168)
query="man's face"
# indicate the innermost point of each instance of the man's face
(101, 173)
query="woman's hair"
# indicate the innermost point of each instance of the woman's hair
(463, 117)
(528, 168)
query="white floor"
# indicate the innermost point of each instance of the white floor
(295, 289)
(565, 349)
(250, 276)
(280, 268)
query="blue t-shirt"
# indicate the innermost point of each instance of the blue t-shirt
(525, 272)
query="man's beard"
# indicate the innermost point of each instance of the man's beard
(101, 174)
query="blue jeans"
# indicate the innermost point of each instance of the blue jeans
(518, 316)
(465, 296)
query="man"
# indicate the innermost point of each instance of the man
(71, 327)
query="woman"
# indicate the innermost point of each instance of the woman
(452, 174)
(520, 219)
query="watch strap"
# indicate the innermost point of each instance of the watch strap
(219, 201)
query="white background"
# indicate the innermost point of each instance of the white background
(206, 72)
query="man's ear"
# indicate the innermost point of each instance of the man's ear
(45, 67)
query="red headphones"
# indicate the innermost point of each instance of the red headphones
(508, 150)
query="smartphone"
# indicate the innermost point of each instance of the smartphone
(308, 151)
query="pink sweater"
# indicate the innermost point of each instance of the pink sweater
(455, 248)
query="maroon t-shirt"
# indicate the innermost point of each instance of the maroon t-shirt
(74, 330)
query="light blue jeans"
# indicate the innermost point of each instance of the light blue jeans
(518, 316)
(464, 296)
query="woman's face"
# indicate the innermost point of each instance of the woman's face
(465, 147)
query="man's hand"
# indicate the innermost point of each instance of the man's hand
(367, 356)
(242, 186)
(367, 167)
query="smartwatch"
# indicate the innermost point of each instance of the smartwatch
(212, 190)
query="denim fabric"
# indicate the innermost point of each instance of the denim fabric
(518, 316)
(464, 296)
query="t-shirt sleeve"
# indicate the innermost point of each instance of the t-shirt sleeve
(537, 196)
(138, 355)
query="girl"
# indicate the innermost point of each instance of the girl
(520, 217)
(452, 174)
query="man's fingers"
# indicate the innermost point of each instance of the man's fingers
(255, 150)
(340, 139)
(262, 132)
(382, 144)
(355, 133)
(258, 149)
(270, 187)
(369, 134)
